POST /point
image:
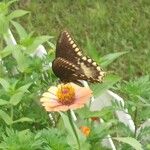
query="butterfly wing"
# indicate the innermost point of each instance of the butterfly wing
(71, 65)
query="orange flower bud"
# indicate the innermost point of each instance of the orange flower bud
(85, 130)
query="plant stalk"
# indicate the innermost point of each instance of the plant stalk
(73, 127)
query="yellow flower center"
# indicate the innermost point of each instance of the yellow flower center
(66, 94)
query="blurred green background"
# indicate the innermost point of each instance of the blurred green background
(110, 25)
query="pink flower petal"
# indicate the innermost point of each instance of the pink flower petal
(58, 108)
(53, 89)
(49, 95)
(76, 106)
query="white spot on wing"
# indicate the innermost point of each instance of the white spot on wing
(87, 71)
(79, 54)
(94, 63)
(98, 68)
(69, 39)
(76, 49)
(71, 42)
(84, 58)
(74, 45)
(89, 60)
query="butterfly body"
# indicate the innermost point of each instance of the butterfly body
(70, 65)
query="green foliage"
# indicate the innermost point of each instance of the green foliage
(5, 18)
(24, 76)
(20, 140)
(53, 139)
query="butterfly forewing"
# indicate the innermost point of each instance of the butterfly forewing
(71, 65)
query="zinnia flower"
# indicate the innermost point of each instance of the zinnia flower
(85, 130)
(65, 97)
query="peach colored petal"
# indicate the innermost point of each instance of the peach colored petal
(82, 91)
(76, 106)
(58, 108)
(82, 100)
(53, 90)
(49, 95)
(44, 99)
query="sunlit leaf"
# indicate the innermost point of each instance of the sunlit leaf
(131, 141)
(20, 30)
(3, 24)
(23, 119)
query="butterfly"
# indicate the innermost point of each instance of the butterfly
(70, 65)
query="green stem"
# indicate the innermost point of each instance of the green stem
(73, 127)
(11, 114)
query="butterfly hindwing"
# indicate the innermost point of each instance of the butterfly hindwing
(71, 65)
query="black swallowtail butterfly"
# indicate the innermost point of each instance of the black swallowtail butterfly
(70, 65)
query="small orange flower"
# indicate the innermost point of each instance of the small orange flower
(85, 130)
(65, 97)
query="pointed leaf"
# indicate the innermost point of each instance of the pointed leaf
(37, 41)
(16, 14)
(24, 88)
(6, 117)
(109, 81)
(107, 59)
(23, 119)
(5, 84)
(131, 141)
(20, 30)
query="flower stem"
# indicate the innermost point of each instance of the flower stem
(73, 127)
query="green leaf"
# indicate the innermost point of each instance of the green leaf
(107, 59)
(11, 2)
(6, 117)
(131, 141)
(3, 102)
(23, 119)
(21, 31)
(109, 81)
(16, 98)
(3, 24)
(37, 41)
(6, 51)
(16, 14)
(5, 84)
(85, 113)
(24, 88)
(22, 60)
